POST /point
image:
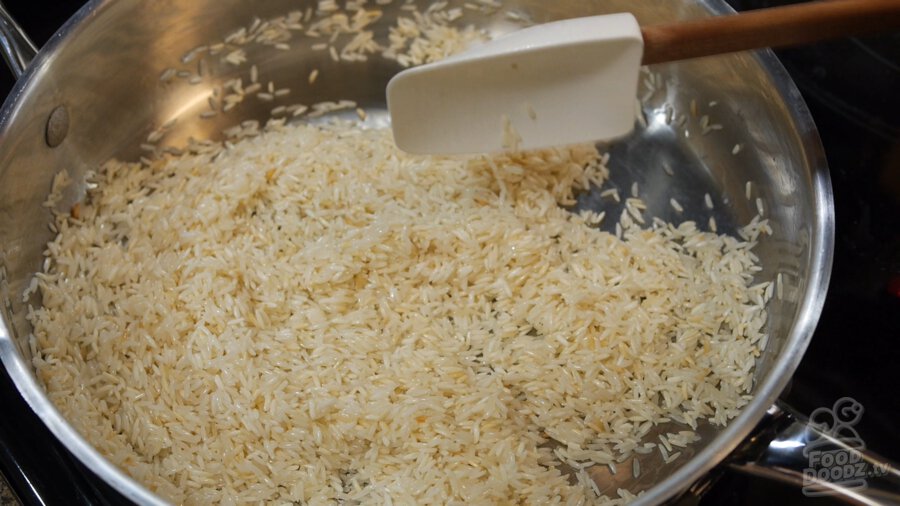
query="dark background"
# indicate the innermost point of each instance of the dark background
(852, 89)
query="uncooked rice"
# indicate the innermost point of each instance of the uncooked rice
(305, 314)
(318, 317)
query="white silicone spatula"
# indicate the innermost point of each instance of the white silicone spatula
(576, 80)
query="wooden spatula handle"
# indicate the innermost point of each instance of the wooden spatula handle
(773, 27)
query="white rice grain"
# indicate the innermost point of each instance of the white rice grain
(167, 75)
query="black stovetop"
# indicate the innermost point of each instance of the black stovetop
(851, 89)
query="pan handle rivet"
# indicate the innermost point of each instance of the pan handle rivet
(57, 126)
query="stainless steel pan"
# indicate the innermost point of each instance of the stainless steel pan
(94, 92)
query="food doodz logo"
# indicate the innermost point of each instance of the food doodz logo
(835, 450)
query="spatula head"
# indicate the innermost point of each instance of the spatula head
(553, 84)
